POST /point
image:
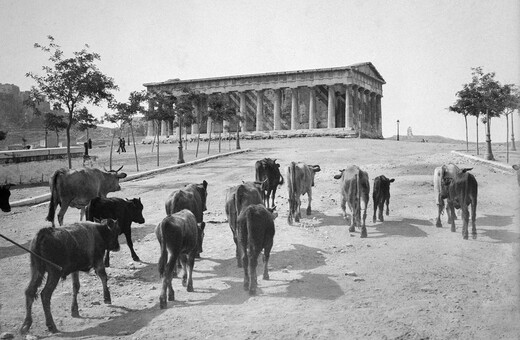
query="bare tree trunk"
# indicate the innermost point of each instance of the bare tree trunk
(158, 142)
(198, 142)
(219, 141)
(69, 157)
(489, 153)
(466, 121)
(154, 135)
(186, 139)
(180, 160)
(507, 139)
(135, 149)
(112, 148)
(238, 136)
(209, 139)
(513, 146)
(46, 135)
(478, 152)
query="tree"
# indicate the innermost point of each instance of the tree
(220, 110)
(511, 103)
(84, 120)
(72, 81)
(126, 111)
(54, 122)
(162, 108)
(466, 105)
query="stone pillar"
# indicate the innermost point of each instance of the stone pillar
(294, 109)
(348, 108)
(196, 113)
(374, 112)
(361, 108)
(149, 130)
(355, 107)
(169, 124)
(259, 110)
(331, 108)
(243, 111)
(379, 116)
(277, 109)
(312, 108)
(164, 128)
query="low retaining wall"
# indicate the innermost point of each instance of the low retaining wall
(19, 156)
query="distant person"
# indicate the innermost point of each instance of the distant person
(119, 147)
(123, 145)
(90, 143)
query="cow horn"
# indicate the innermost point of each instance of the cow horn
(120, 168)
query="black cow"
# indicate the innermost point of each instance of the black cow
(238, 198)
(5, 193)
(75, 188)
(191, 197)
(461, 191)
(255, 231)
(124, 211)
(78, 247)
(178, 236)
(381, 195)
(269, 172)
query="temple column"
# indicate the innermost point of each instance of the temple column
(331, 108)
(348, 108)
(277, 109)
(196, 111)
(259, 110)
(312, 108)
(243, 111)
(170, 127)
(164, 127)
(379, 116)
(361, 108)
(294, 109)
(374, 111)
(355, 107)
(149, 130)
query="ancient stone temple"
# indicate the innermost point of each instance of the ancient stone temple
(344, 99)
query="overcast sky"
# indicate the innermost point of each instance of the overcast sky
(423, 49)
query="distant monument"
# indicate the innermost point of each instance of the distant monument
(409, 133)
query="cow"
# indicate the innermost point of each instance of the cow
(238, 198)
(300, 180)
(517, 168)
(355, 190)
(124, 211)
(191, 197)
(75, 188)
(5, 193)
(381, 195)
(268, 171)
(461, 191)
(255, 231)
(441, 172)
(76, 247)
(178, 236)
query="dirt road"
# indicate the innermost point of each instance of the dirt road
(407, 280)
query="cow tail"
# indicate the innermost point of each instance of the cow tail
(164, 251)
(54, 197)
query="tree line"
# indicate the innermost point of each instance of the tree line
(484, 98)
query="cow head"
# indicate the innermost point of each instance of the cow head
(137, 210)
(5, 193)
(116, 175)
(314, 170)
(338, 176)
(200, 233)
(203, 192)
(113, 233)
(274, 214)
(445, 186)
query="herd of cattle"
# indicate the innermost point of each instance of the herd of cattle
(250, 209)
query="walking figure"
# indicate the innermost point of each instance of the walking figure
(123, 145)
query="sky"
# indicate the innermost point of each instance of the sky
(423, 49)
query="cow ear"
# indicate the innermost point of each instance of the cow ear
(516, 167)
(316, 168)
(466, 170)
(121, 175)
(97, 220)
(338, 176)
(392, 180)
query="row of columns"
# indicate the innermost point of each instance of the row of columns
(362, 110)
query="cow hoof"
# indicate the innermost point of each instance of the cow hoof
(171, 297)
(374, 220)
(190, 288)
(266, 277)
(25, 327)
(308, 211)
(438, 224)
(246, 286)
(252, 292)
(162, 303)
(364, 233)
(75, 314)
(108, 302)
(453, 229)
(465, 237)
(184, 282)
(352, 229)
(52, 329)
(136, 259)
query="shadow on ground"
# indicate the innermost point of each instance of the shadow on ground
(406, 227)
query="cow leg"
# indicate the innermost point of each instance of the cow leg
(63, 209)
(253, 263)
(352, 221)
(465, 221)
(375, 210)
(381, 209)
(440, 208)
(273, 194)
(52, 281)
(387, 209)
(473, 217)
(75, 290)
(450, 208)
(189, 272)
(81, 213)
(245, 264)
(30, 296)
(128, 235)
(298, 209)
(167, 282)
(107, 259)
(267, 253)
(363, 206)
(183, 258)
(237, 252)
(102, 274)
(309, 195)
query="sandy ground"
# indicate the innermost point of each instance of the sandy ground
(407, 280)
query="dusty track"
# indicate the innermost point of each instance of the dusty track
(414, 281)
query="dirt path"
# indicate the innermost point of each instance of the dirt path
(413, 280)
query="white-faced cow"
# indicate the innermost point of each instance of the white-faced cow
(300, 180)
(381, 195)
(5, 193)
(355, 190)
(460, 192)
(75, 188)
(441, 172)
(178, 236)
(255, 231)
(124, 211)
(268, 171)
(78, 247)
(191, 197)
(237, 199)
(517, 168)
